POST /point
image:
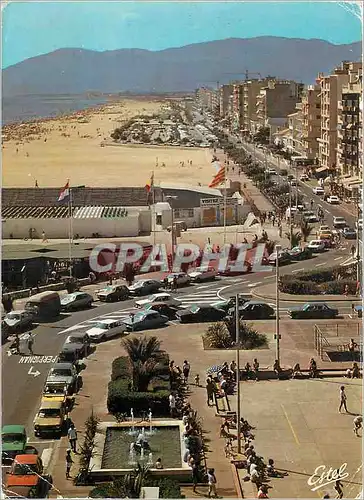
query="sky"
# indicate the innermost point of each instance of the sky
(32, 28)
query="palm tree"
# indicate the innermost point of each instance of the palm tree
(305, 230)
(142, 349)
(296, 238)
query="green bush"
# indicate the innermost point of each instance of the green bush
(120, 368)
(338, 287)
(298, 287)
(217, 336)
(168, 488)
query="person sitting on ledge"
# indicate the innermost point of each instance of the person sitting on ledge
(158, 464)
(271, 471)
(277, 368)
(312, 368)
(297, 371)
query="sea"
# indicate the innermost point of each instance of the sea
(30, 107)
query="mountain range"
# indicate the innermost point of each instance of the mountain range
(76, 71)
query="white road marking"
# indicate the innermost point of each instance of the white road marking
(298, 270)
(205, 286)
(339, 258)
(268, 277)
(41, 442)
(46, 457)
(37, 360)
(254, 284)
(327, 211)
(322, 264)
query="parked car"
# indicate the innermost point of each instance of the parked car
(271, 171)
(294, 183)
(76, 300)
(230, 269)
(113, 293)
(80, 338)
(310, 217)
(182, 279)
(199, 275)
(66, 374)
(144, 320)
(50, 418)
(13, 442)
(313, 310)
(304, 178)
(200, 313)
(55, 391)
(323, 229)
(156, 297)
(26, 479)
(44, 305)
(144, 287)
(316, 246)
(333, 200)
(349, 233)
(225, 305)
(164, 308)
(71, 353)
(318, 190)
(327, 239)
(16, 321)
(254, 310)
(298, 253)
(339, 223)
(106, 329)
(283, 258)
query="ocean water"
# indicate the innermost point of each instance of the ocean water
(30, 107)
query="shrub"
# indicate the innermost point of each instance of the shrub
(248, 336)
(168, 488)
(217, 336)
(120, 368)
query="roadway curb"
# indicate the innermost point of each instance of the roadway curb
(315, 298)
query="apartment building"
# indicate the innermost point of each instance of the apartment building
(294, 141)
(251, 89)
(311, 120)
(237, 120)
(331, 88)
(349, 147)
(275, 102)
(225, 93)
(208, 99)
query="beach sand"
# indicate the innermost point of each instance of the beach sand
(69, 147)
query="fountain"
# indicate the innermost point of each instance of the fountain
(132, 430)
(150, 460)
(142, 453)
(151, 431)
(132, 455)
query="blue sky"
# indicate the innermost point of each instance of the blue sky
(33, 28)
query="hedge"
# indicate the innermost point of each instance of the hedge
(320, 282)
(120, 398)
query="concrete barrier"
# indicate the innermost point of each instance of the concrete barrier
(21, 294)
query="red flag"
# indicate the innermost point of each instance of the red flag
(150, 184)
(218, 179)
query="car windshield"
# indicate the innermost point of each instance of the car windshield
(151, 298)
(306, 307)
(54, 389)
(75, 340)
(10, 438)
(194, 309)
(61, 372)
(14, 316)
(24, 469)
(49, 413)
(139, 316)
(102, 326)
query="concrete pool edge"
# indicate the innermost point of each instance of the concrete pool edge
(95, 467)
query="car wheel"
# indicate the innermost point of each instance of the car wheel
(102, 338)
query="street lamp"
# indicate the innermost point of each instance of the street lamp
(237, 340)
(277, 334)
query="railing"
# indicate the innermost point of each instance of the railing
(325, 331)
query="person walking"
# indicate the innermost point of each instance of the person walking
(172, 404)
(186, 370)
(44, 239)
(72, 437)
(352, 250)
(343, 399)
(69, 463)
(30, 342)
(209, 391)
(194, 471)
(358, 424)
(211, 478)
(17, 344)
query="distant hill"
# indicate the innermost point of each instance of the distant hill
(75, 71)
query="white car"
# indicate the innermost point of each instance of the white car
(316, 246)
(199, 274)
(271, 171)
(294, 183)
(339, 222)
(318, 190)
(333, 200)
(324, 229)
(304, 178)
(182, 278)
(106, 329)
(156, 297)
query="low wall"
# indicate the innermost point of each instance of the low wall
(20, 294)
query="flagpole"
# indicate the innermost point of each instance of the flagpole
(70, 228)
(153, 201)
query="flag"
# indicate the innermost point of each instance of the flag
(218, 179)
(150, 184)
(65, 192)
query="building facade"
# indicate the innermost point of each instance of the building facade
(251, 90)
(225, 93)
(237, 121)
(331, 89)
(311, 121)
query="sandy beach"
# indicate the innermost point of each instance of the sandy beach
(51, 151)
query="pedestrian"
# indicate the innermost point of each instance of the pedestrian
(172, 405)
(352, 250)
(256, 368)
(197, 380)
(175, 284)
(194, 471)
(263, 491)
(209, 391)
(17, 343)
(72, 437)
(30, 342)
(343, 399)
(211, 478)
(358, 424)
(346, 290)
(44, 239)
(69, 463)
(338, 486)
(186, 370)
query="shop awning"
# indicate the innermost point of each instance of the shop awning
(350, 182)
(322, 169)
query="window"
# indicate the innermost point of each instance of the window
(159, 220)
(184, 213)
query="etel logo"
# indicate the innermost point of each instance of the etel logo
(322, 477)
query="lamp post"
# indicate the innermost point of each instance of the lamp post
(277, 334)
(237, 340)
(170, 198)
